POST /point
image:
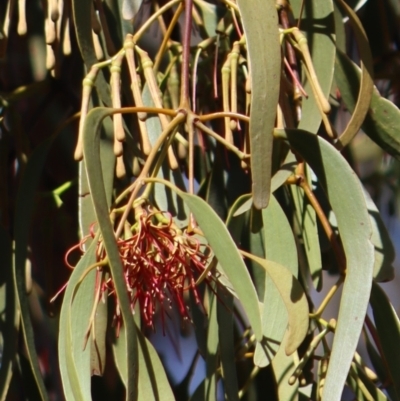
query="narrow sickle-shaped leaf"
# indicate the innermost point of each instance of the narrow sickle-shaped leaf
(347, 201)
(382, 123)
(383, 246)
(87, 217)
(366, 82)
(228, 256)
(75, 378)
(210, 382)
(388, 329)
(260, 20)
(91, 149)
(227, 344)
(83, 28)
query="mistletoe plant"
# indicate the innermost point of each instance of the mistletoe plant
(215, 189)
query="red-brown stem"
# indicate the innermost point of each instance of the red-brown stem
(184, 102)
(292, 61)
(338, 250)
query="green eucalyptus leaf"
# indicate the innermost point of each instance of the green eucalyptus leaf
(382, 123)
(384, 249)
(212, 357)
(241, 205)
(256, 245)
(388, 330)
(228, 256)
(278, 179)
(366, 81)
(285, 171)
(345, 195)
(91, 147)
(81, 14)
(87, 217)
(227, 344)
(209, 15)
(339, 29)
(284, 366)
(294, 298)
(280, 247)
(75, 368)
(153, 382)
(260, 20)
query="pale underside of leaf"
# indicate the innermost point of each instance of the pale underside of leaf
(228, 256)
(280, 247)
(347, 201)
(260, 20)
(91, 142)
(294, 298)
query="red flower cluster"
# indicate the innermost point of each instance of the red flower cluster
(161, 263)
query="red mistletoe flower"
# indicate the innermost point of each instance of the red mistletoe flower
(161, 265)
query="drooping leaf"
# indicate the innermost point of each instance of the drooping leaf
(87, 218)
(212, 357)
(383, 246)
(83, 28)
(279, 247)
(91, 142)
(382, 123)
(341, 184)
(339, 29)
(228, 256)
(294, 298)
(284, 366)
(253, 240)
(153, 382)
(74, 321)
(278, 179)
(285, 171)
(366, 81)
(242, 205)
(227, 344)
(260, 20)
(388, 329)
(209, 16)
